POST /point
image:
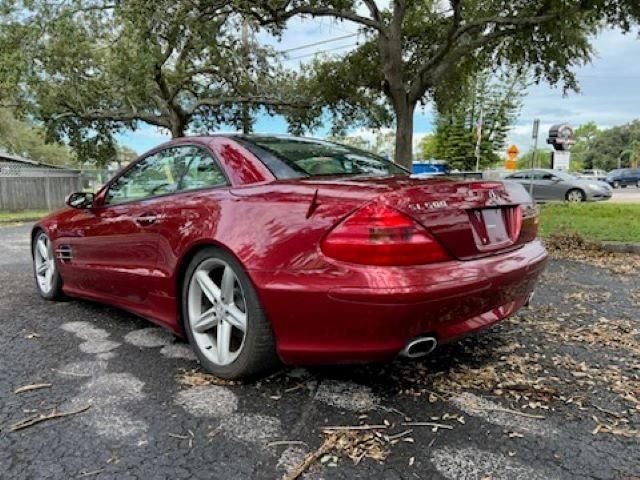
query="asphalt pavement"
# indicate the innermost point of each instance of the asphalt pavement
(552, 393)
(626, 195)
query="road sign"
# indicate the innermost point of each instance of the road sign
(512, 154)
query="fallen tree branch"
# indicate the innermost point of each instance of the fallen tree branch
(427, 424)
(28, 388)
(354, 427)
(286, 442)
(328, 445)
(507, 410)
(28, 422)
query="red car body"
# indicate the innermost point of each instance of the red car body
(321, 310)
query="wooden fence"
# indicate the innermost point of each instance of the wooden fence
(37, 189)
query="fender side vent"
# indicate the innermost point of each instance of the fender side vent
(64, 253)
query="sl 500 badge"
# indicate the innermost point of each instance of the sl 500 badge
(418, 207)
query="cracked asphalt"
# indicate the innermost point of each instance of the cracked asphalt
(551, 393)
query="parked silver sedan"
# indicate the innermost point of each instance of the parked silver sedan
(556, 185)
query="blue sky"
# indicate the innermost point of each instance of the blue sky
(610, 86)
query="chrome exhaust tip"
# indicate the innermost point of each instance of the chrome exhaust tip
(419, 347)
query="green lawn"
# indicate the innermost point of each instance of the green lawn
(19, 215)
(593, 221)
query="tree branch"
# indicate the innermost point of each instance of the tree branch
(120, 115)
(258, 99)
(281, 14)
(452, 53)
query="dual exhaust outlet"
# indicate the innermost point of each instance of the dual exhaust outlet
(419, 347)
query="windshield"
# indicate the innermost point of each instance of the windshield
(318, 157)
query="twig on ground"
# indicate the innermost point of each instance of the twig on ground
(427, 424)
(286, 442)
(28, 422)
(311, 458)
(354, 427)
(28, 388)
(610, 412)
(90, 474)
(506, 410)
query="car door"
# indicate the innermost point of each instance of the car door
(549, 187)
(524, 179)
(113, 247)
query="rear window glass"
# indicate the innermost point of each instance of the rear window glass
(318, 157)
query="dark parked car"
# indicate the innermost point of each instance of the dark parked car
(624, 177)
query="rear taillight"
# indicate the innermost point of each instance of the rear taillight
(380, 235)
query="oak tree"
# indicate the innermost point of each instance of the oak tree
(91, 68)
(415, 47)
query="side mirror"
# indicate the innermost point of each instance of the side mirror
(80, 200)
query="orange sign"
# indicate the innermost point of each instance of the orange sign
(512, 155)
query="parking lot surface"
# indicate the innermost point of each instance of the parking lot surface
(552, 393)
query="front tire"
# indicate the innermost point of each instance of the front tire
(616, 184)
(575, 195)
(45, 271)
(223, 319)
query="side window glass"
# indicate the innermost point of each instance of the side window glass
(150, 177)
(199, 170)
(168, 171)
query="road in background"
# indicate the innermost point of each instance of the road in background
(626, 195)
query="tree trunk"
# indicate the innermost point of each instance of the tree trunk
(404, 132)
(177, 130)
(178, 124)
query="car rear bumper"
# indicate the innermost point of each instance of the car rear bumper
(369, 313)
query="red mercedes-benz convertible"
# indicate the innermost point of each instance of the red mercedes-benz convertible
(267, 248)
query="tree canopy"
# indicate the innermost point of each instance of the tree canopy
(491, 100)
(605, 149)
(91, 68)
(421, 50)
(21, 138)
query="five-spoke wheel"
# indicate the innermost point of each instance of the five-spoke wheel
(223, 318)
(217, 311)
(47, 277)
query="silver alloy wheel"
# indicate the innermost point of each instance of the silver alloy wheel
(217, 311)
(44, 263)
(574, 196)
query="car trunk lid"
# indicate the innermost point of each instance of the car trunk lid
(470, 219)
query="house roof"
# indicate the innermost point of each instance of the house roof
(5, 156)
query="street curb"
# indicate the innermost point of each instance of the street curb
(621, 247)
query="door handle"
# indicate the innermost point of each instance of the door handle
(146, 219)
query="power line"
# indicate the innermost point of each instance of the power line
(321, 42)
(323, 51)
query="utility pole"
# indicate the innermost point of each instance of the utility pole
(479, 141)
(246, 117)
(536, 129)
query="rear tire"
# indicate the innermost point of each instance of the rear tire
(575, 195)
(218, 302)
(45, 270)
(616, 184)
